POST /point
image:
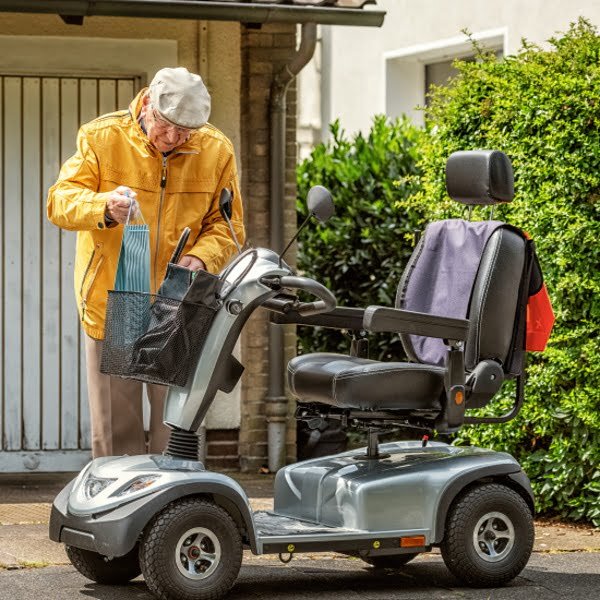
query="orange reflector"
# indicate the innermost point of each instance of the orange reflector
(415, 541)
(459, 397)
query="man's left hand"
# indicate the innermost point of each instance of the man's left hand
(192, 263)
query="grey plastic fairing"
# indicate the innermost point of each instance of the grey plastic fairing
(337, 502)
(111, 523)
(480, 177)
(186, 407)
(493, 304)
(498, 473)
(523, 486)
(395, 496)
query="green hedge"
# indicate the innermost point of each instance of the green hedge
(541, 107)
(360, 253)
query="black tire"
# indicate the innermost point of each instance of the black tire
(99, 568)
(393, 561)
(489, 536)
(169, 573)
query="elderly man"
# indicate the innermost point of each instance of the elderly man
(165, 157)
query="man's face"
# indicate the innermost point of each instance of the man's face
(162, 135)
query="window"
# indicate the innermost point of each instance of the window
(410, 72)
(441, 72)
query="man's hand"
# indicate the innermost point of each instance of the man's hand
(119, 201)
(192, 263)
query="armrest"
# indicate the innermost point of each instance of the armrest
(338, 318)
(381, 318)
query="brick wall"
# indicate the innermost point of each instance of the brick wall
(222, 450)
(264, 52)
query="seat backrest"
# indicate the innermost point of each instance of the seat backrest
(471, 270)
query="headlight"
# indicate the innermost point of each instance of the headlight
(94, 485)
(139, 484)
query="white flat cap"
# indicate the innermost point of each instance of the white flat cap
(180, 97)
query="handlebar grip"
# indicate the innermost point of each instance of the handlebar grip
(180, 245)
(326, 302)
(280, 304)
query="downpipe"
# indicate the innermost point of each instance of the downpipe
(276, 400)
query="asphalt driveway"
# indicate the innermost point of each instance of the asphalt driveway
(572, 575)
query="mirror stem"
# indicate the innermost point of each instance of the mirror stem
(295, 236)
(237, 244)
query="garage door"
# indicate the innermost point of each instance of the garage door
(44, 418)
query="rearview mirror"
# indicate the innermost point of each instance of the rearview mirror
(226, 210)
(320, 203)
(225, 204)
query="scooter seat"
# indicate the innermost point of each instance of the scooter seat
(359, 383)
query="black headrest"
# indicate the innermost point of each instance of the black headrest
(480, 177)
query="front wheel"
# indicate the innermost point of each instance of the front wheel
(192, 550)
(489, 536)
(99, 568)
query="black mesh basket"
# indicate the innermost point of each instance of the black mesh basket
(156, 339)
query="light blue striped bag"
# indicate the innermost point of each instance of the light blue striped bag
(132, 282)
(133, 269)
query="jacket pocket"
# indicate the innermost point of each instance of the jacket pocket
(90, 275)
(188, 207)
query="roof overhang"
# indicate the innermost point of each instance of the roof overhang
(243, 12)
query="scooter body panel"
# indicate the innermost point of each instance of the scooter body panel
(343, 502)
(410, 490)
(111, 521)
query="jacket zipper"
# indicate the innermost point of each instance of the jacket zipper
(163, 185)
(91, 282)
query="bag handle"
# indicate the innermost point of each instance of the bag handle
(139, 214)
(180, 245)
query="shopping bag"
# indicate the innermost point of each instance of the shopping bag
(133, 274)
(133, 268)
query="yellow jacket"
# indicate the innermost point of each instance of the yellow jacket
(176, 191)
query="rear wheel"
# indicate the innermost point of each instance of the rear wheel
(394, 561)
(192, 550)
(99, 568)
(489, 536)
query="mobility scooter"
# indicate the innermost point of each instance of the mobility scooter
(460, 311)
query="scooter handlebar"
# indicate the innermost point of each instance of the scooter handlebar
(326, 302)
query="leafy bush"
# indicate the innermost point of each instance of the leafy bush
(361, 251)
(541, 107)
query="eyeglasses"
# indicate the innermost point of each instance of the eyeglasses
(164, 124)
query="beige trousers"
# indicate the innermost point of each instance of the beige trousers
(116, 410)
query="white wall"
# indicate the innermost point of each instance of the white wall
(353, 62)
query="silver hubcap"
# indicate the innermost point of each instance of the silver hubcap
(197, 553)
(494, 536)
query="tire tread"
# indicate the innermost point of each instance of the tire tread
(92, 565)
(454, 546)
(156, 571)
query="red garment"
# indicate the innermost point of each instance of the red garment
(540, 319)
